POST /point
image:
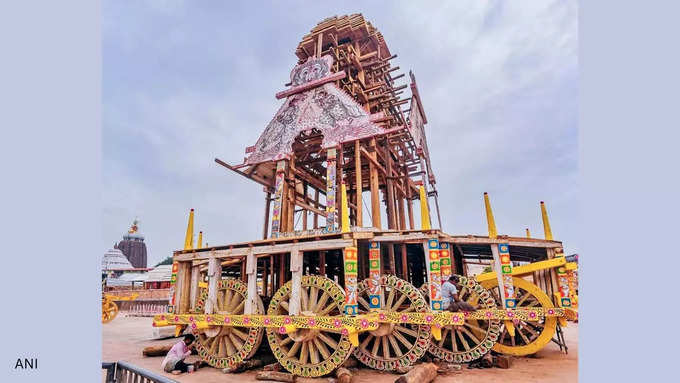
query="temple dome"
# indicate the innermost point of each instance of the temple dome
(114, 259)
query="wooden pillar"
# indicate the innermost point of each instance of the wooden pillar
(436, 204)
(214, 276)
(267, 204)
(184, 276)
(280, 191)
(282, 270)
(296, 270)
(374, 296)
(291, 195)
(402, 214)
(251, 272)
(322, 262)
(316, 205)
(389, 188)
(390, 254)
(445, 260)
(503, 267)
(195, 275)
(270, 275)
(411, 219)
(242, 265)
(331, 188)
(339, 178)
(350, 260)
(424, 179)
(431, 248)
(373, 178)
(357, 167)
(404, 262)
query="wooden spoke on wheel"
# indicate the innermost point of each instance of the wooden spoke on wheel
(226, 346)
(310, 352)
(475, 338)
(530, 336)
(393, 345)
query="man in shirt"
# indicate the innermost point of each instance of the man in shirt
(174, 361)
(450, 297)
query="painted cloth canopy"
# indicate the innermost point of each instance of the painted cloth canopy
(325, 107)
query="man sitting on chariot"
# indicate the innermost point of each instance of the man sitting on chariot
(450, 298)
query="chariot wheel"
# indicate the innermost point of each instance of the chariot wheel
(310, 352)
(476, 337)
(392, 345)
(530, 336)
(227, 346)
(109, 310)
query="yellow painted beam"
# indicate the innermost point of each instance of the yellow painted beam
(424, 210)
(571, 266)
(345, 208)
(200, 240)
(525, 269)
(528, 233)
(491, 223)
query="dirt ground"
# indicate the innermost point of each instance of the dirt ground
(124, 338)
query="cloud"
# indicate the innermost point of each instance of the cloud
(187, 82)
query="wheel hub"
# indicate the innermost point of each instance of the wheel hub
(383, 329)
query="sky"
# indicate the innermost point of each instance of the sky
(185, 82)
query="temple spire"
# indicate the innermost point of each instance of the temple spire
(491, 223)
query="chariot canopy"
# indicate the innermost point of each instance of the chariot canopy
(323, 106)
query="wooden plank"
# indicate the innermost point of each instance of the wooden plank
(214, 276)
(296, 269)
(328, 244)
(251, 272)
(195, 275)
(185, 289)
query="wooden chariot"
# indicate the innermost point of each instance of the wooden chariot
(335, 276)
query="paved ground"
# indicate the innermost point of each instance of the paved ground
(124, 338)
